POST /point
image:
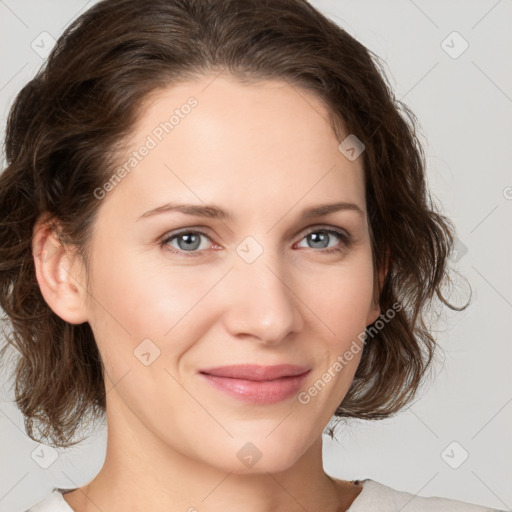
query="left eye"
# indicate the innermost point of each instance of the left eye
(320, 237)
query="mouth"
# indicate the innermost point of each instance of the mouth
(257, 384)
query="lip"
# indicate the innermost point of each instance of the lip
(257, 384)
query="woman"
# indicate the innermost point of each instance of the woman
(216, 232)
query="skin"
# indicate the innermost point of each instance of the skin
(264, 151)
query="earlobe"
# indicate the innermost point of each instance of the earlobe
(375, 311)
(373, 314)
(55, 273)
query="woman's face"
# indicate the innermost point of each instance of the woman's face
(266, 283)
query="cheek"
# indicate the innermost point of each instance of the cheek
(342, 296)
(135, 301)
(340, 301)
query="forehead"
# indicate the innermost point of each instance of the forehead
(254, 144)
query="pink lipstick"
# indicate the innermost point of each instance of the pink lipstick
(257, 384)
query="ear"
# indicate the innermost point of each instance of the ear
(58, 271)
(375, 310)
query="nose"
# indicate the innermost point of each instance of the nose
(261, 301)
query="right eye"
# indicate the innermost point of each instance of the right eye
(185, 241)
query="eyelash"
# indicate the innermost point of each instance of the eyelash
(345, 238)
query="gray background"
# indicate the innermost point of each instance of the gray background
(464, 104)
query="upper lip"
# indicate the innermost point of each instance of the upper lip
(256, 372)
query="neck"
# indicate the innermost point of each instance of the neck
(141, 472)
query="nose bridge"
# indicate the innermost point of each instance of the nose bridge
(263, 304)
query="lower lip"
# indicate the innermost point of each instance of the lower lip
(258, 392)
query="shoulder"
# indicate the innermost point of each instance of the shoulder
(378, 497)
(55, 502)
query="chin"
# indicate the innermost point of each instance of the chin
(259, 457)
(273, 465)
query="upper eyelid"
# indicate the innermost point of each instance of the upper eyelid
(325, 227)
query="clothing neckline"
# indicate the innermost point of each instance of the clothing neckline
(367, 485)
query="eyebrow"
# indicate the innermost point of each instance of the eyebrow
(216, 212)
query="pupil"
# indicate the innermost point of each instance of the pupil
(191, 241)
(318, 237)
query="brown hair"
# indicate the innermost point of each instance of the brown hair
(62, 135)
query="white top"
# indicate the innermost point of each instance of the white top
(374, 497)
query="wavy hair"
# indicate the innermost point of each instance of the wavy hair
(66, 125)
